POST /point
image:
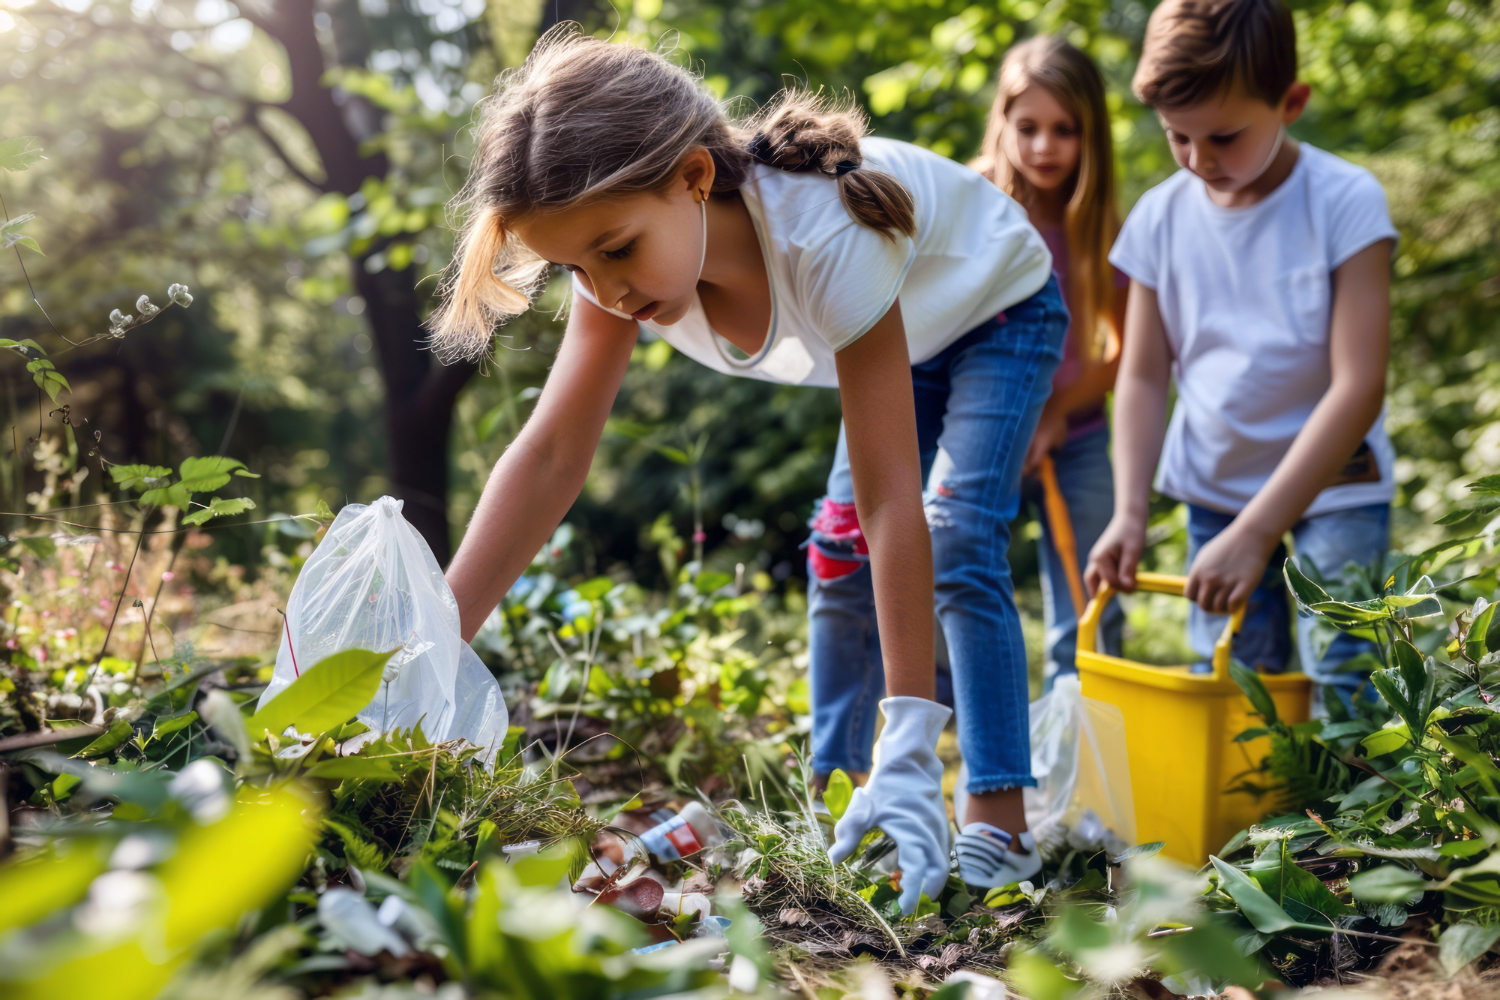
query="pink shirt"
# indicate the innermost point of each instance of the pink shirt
(1084, 421)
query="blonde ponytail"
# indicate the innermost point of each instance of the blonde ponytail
(806, 131)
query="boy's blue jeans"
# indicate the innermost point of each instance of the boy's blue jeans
(977, 405)
(1330, 542)
(1086, 480)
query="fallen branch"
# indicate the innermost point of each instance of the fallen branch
(46, 737)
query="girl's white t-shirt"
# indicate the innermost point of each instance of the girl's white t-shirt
(1246, 295)
(974, 256)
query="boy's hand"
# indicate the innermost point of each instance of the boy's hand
(1226, 571)
(1116, 555)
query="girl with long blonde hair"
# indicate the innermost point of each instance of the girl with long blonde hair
(785, 247)
(1048, 146)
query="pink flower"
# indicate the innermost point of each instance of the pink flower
(47, 614)
(104, 602)
(699, 537)
(41, 654)
(167, 577)
(11, 644)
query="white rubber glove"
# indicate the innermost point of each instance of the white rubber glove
(904, 797)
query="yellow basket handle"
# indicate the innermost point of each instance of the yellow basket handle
(1156, 583)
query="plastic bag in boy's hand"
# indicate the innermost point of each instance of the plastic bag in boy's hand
(904, 797)
(373, 583)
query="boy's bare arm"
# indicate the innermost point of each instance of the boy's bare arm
(1140, 421)
(1228, 568)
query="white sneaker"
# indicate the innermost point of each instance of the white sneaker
(986, 860)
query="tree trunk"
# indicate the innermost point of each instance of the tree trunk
(420, 391)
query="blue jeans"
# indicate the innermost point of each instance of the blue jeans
(977, 406)
(1330, 542)
(1087, 482)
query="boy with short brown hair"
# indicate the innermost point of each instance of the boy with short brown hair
(1260, 284)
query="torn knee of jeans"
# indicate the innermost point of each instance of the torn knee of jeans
(935, 506)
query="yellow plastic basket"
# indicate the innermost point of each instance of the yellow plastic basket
(1179, 733)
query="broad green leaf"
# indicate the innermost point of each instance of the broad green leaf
(203, 475)
(838, 794)
(43, 883)
(172, 723)
(1418, 681)
(1462, 944)
(220, 507)
(171, 496)
(1260, 909)
(328, 694)
(1139, 851)
(1307, 593)
(1476, 642)
(227, 721)
(118, 732)
(1384, 741)
(1036, 977)
(139, 477)
(19, 153)
(1386, 884)
(1255, 690)
(1463, 848)
(1485, 484)
(38, 545)
(1388, 685)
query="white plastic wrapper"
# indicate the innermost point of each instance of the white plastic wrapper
(373, 583)
(1082, 795)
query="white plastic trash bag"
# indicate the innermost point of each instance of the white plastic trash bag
(1078, 758)
(373, 583)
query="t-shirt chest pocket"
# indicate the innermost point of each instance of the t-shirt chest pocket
(1307, 294)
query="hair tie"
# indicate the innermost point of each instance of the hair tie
(760, 148)
(844, 166)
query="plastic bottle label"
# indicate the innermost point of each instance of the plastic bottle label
(672, 840)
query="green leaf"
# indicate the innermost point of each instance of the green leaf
(1384, 741)
(1419, 683)
(1463, 848)
(1139, 851)
(323, 514)
(220, 507)
(1307, 593)
(1462, 944)
(38, 545)
(139, 477)
(171, 496)
(18, 153)
(1260, 909)
(118, 732)
(1255, 690)
(1485, 484)
(1386, 884)
(328, 694)
(203, 475)
(838, 794)
(1476, 641)
(172, 723)
(1036, 977)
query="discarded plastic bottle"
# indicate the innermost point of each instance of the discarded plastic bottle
(689, 832)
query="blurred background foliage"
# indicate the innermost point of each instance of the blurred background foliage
(290, 160)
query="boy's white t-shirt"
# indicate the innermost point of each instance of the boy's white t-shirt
(975, 255)
(1245, 295)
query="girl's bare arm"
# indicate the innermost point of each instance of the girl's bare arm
(543, 470)
(880, 425)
